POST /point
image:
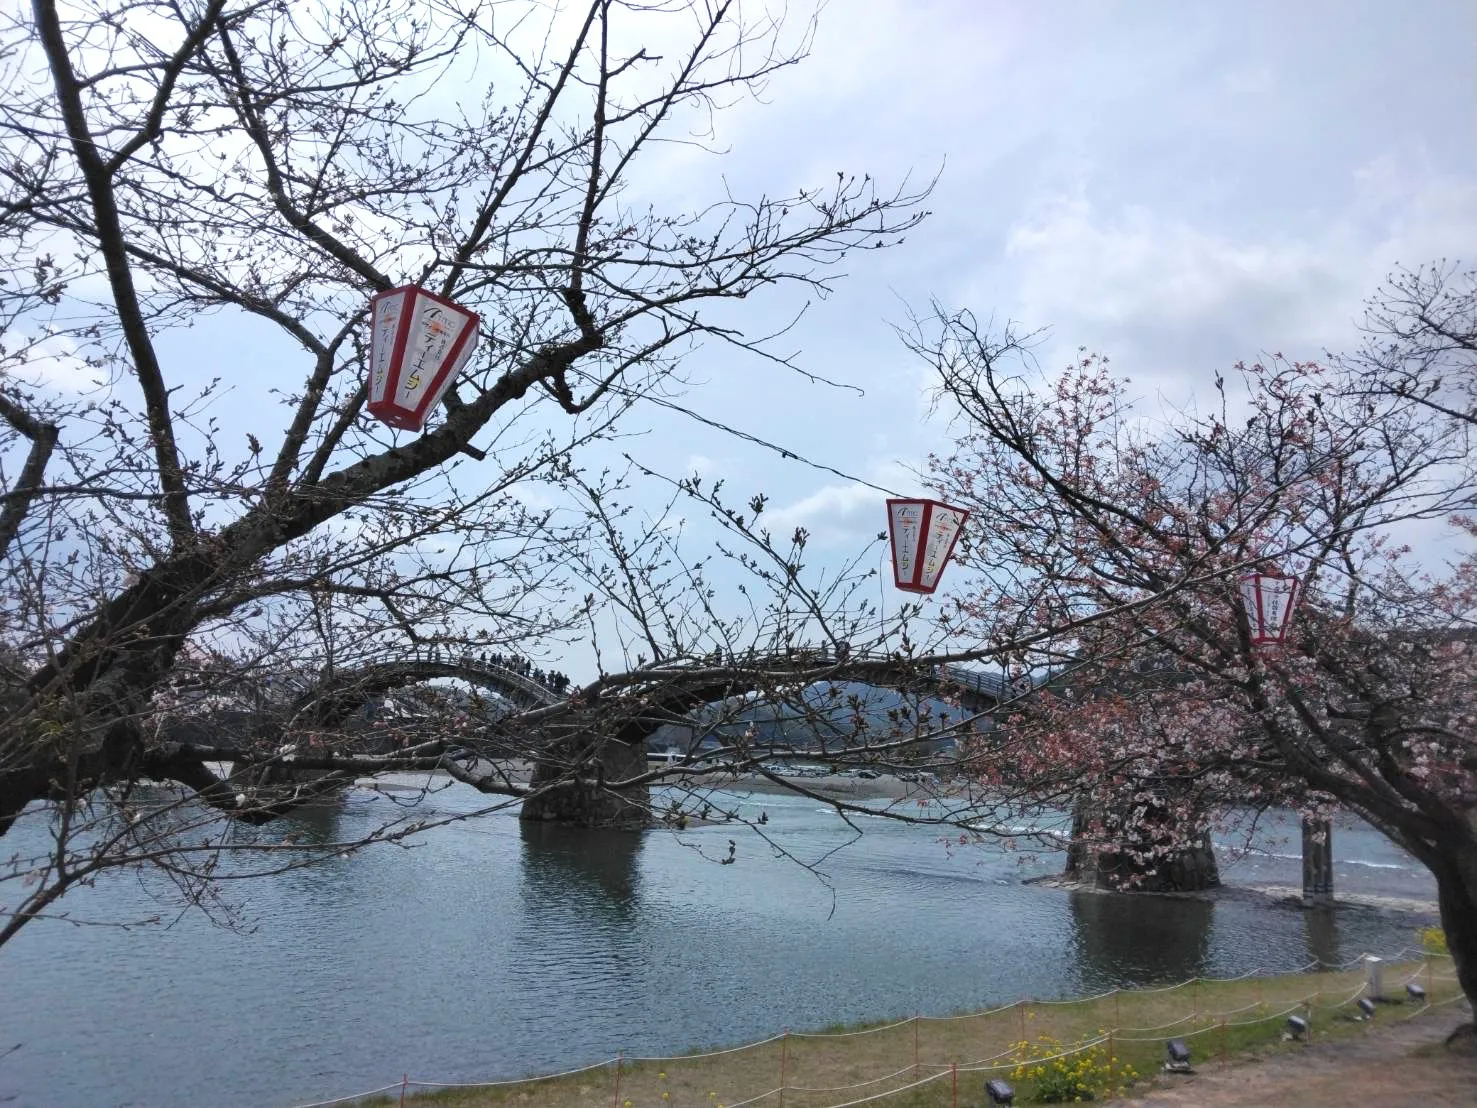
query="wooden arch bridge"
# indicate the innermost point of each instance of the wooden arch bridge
(606, 730)
(615, 745)
(336, 696)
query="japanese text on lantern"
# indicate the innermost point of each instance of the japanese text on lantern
(907, 517)
(943, 525)
(437, 330)
(419, 344)
(382, 341)
(923, 536)
(1268, 598)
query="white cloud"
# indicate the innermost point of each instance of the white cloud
(844, 516)
(702, 466)
(835, 515)
(1170, 299)
(1178, 187)
(50, 363)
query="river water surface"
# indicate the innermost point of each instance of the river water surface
(492, 950)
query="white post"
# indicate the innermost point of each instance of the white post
(1375, 968)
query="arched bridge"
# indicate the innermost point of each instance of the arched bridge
(606, 730)
(615, 737)
(682, 688)
(330, 702)
(980, 690)
(336, 696)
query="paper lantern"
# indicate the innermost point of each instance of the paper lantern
(1269, 598)
(923, 535)
(418, 343)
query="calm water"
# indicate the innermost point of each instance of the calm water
(491, 950)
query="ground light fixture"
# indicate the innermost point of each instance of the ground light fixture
(922, 534)
(1297, 1028)
(418, 343)
(999, 1092)
(1366, 1006)
(1269, 598)
(1414, 991)
(1179, 1056)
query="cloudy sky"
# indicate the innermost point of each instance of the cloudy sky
(1178, 186)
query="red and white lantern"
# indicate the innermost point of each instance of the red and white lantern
(418, 344)
(1269, 598)
(923, 534)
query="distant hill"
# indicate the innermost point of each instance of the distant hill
(830, 714)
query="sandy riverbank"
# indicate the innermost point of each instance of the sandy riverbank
(1271, 896)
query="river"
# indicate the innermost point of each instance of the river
(491, 950)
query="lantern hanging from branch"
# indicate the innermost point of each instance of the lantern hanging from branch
(1269, 598)
(923, 534)
(418, 344)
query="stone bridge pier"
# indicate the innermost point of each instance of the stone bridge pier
(1136, 846)
(574, 775)
(1317, 863)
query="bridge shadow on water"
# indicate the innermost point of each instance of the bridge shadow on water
(594, 870)
(1124, 940)
(314, 824)
(1323, 936)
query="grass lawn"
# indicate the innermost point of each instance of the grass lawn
(943, 1062)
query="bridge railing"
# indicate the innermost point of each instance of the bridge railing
(469, 663)
(980, 682)
(976, 680)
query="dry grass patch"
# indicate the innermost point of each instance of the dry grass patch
(942, 1062)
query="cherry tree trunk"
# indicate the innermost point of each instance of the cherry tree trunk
(1456, 891)
(1137, 847)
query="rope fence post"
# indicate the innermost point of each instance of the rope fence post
(404, 1085)
(1117, 1012)
(1225, 1045)
(784, 1063)
(1112, 1061)
(954, 1078)
(1195, 996)
(1021, 1011)
(619, 1058)
(916, 1067)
